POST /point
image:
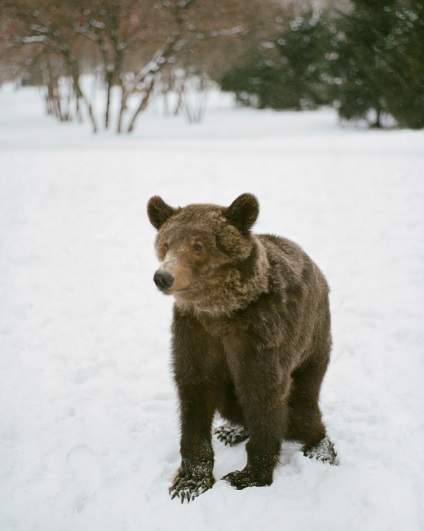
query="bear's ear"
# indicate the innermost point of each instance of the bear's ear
(243, 212)
(158, 211)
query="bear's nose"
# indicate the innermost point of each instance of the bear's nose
(163, 280)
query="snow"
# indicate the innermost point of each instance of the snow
(88, 417)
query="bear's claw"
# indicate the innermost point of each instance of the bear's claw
(188, 487)
(240, 479)
(230, 434)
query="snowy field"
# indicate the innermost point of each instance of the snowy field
(88, 416)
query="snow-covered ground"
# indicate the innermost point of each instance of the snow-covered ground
(88, 413)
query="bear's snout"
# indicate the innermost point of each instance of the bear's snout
(163, 279)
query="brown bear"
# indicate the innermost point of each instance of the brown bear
(250, 339)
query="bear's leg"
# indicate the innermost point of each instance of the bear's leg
(262, 392)
(195, 474)
(231, 434)
(263, 450)
(305, 418)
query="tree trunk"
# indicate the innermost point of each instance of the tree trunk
(377, 124)
(109, 77)
(122, 109)
(142, 106)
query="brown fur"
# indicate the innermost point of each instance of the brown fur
(251, 337)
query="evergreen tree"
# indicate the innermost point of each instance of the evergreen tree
(359, 68)
(403, 82)
(367, 62)
(288, 72)
(380, 62)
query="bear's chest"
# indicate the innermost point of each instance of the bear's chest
(217, 327)
(231, 336)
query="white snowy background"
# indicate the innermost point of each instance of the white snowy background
(88, 412)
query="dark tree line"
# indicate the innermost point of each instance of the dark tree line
(287, 72)
(368, 62)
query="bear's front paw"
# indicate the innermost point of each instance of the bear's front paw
(240, 479)
(188, 485)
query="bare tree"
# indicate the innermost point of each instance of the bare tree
(130, 43)
(49, 32)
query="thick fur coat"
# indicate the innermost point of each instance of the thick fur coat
(251, 338)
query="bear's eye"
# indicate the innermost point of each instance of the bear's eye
(166, 246)
(198, 247)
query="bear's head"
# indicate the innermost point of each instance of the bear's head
(210, 259)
